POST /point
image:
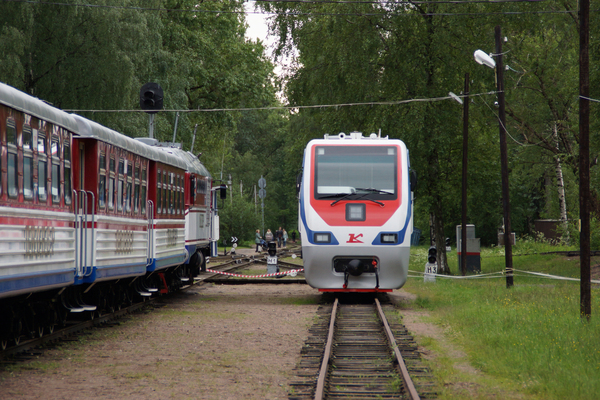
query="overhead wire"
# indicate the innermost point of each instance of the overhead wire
(291, 107)
(301, 13)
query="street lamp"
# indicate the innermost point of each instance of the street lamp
(484, 59)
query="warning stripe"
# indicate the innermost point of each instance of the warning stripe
(256, 276)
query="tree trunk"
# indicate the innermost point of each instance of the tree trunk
(562, 201)
(440, 242)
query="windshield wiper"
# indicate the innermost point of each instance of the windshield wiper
(342, 198)
(371, 190)
(358, 198)
(328, 196)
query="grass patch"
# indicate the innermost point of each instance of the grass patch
(529, 338)
(301, 301)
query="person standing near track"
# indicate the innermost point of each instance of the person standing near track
(285, 238)
(279, 236)
(257, 240)
(269, 236)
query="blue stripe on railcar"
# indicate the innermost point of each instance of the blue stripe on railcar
(40, 280)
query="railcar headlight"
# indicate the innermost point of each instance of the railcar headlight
(355, 212)
(322, 237)
(389, 238)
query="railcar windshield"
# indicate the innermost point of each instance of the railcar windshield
(353, 172)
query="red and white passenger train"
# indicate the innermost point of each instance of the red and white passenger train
(355, 213)
(90, 218)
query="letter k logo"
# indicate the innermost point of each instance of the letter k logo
(354, 238)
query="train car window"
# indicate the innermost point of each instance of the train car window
(102, 181)
(179, 195)
(54, 148)
(42, 166)
(143, 199)
(55, 167)
(192, 189)
(67, 167)
(128, 190)
(27, 163)
(159, 194)
(55, 189)
(170, 193)
(27, 136)
(165, 205)
(136, 189)
(143, 193)
(11, 132)
(13, 161)
(111, 184)
(120, 194)
(182, 195)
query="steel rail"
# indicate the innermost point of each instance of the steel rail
(319, 392)
(408, 383)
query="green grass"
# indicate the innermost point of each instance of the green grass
(528, 339)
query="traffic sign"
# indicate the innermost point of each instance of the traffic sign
(262, 183)
(262, 193)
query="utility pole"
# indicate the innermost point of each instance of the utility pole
(463, 240)
(584, 159)
(504, 160)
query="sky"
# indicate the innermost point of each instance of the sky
(257, 24)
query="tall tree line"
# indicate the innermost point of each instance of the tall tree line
(396, 51)
(96, 55)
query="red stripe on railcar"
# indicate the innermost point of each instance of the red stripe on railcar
(34, 222)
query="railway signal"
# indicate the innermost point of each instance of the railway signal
(151, 98)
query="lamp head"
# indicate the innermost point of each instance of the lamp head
(482, 58)
(455, 97)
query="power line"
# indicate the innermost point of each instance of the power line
(400, 2)
(302, 13)
(372, 103)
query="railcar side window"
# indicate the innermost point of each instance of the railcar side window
(136, 190)
(13, 165)
(159, 194)
(192, 189)
(165, 188)
(55, 170)
(67, 168)
(129, 167)
(169, 188)
(179, 208)
(111, 184)
(143, 194)
(102, 181)
(27, 163)
(42, 166)
(120, 193)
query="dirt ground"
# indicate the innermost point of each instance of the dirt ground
(209, 342)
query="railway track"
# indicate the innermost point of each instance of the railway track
(355, 353)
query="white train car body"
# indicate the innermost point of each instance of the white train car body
(355, 213)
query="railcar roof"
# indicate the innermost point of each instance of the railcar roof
(194, 165)
(35, 107)
(91, 129)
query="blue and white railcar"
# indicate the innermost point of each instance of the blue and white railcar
(355, 213)
(37, 236)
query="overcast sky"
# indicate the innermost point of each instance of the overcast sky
(257, 23)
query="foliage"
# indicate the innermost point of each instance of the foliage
(366, 52)
(530, 338)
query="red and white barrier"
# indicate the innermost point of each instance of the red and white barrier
(292, 272)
